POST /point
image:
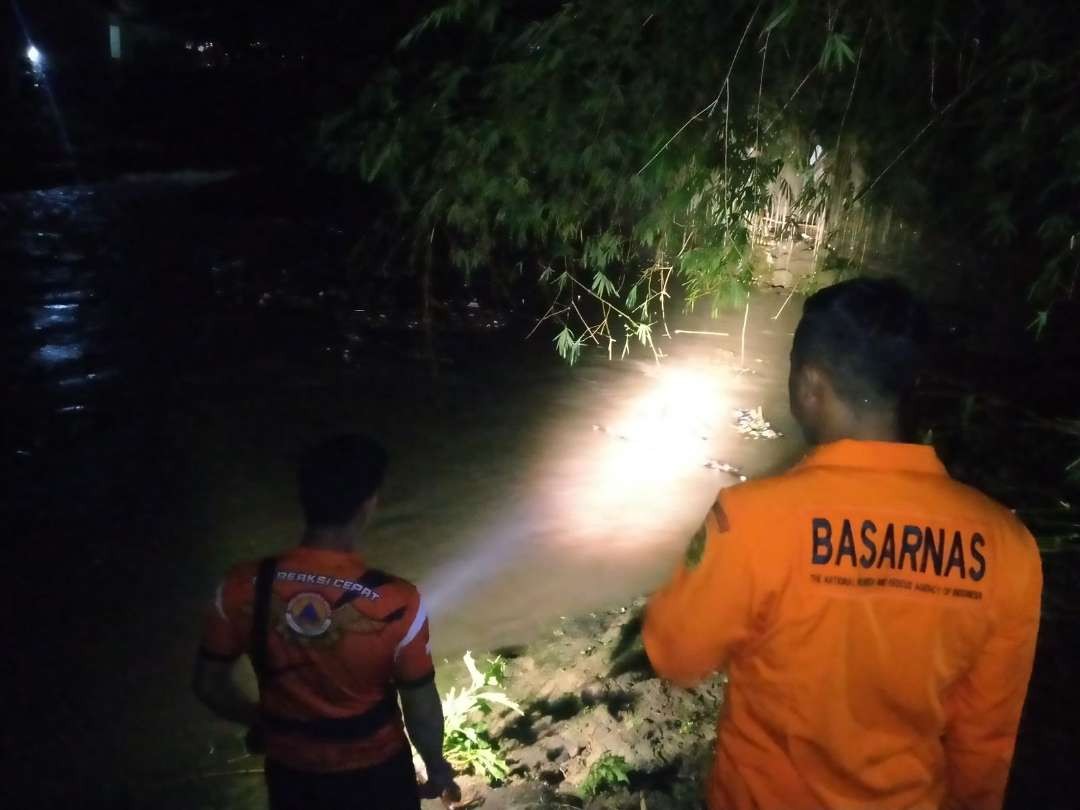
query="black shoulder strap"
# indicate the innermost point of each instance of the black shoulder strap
(260, 620)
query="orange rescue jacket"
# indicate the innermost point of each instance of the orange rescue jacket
(342, 638)
(877, 620)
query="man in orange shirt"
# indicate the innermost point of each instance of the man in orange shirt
(877, 619)
(334, 645)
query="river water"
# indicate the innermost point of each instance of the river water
(170, 353)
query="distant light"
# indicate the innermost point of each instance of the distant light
(189, 45)
(115, 49)
(201, 48)
(35, 56)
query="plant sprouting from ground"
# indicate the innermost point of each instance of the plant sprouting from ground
(606, 774)
(466, 742)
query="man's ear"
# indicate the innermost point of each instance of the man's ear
(363, 517)
(811, 389)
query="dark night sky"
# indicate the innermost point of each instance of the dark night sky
(330, 25)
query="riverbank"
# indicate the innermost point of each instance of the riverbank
(597, 729)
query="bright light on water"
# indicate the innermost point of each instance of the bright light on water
(620, 483)
(645, 457)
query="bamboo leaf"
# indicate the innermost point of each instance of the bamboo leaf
(780, 16)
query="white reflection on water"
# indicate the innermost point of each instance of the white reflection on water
(52, 353)
(52, 315)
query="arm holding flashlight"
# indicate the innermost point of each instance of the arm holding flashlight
(699, 619)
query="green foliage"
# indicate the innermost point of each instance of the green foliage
(1038, 325)
(466, 742)
(606, 773)
(622, 150)
(837, 52)
(568, 346)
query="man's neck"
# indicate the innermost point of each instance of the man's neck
(330, 539)
(871, 427)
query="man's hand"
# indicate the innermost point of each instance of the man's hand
(440, 784)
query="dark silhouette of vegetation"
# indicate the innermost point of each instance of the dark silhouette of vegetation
(620, 150)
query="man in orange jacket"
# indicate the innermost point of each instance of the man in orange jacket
(877, 619)
(335, 645)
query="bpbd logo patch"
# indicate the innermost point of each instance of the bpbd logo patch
(308, 615)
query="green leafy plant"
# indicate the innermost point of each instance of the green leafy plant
(466, 742)
(605, 774)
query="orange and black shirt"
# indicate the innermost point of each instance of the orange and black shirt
(877, 620)
(342, 638)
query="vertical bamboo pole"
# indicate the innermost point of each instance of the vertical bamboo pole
(746, 318)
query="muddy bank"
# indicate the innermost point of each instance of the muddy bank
(588, 698)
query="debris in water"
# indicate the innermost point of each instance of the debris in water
(751, 422)
(609, 432)
(720, 466)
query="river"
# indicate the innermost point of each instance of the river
(171, 353)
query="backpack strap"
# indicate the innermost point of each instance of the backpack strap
(260, 620)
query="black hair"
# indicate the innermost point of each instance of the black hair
(868, 335)
(337, 476)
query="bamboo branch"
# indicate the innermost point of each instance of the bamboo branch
(731, 67)
(918, 135)
(603, 301)
(784, 305)
(907, 148)
(761, 86)
(746, 317)
(851, 92)
(549, 314)
(787, 103)
(711, 106)
(589, 330)
(659, 151)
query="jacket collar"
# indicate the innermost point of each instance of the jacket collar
(325, 555)
(886, 456)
